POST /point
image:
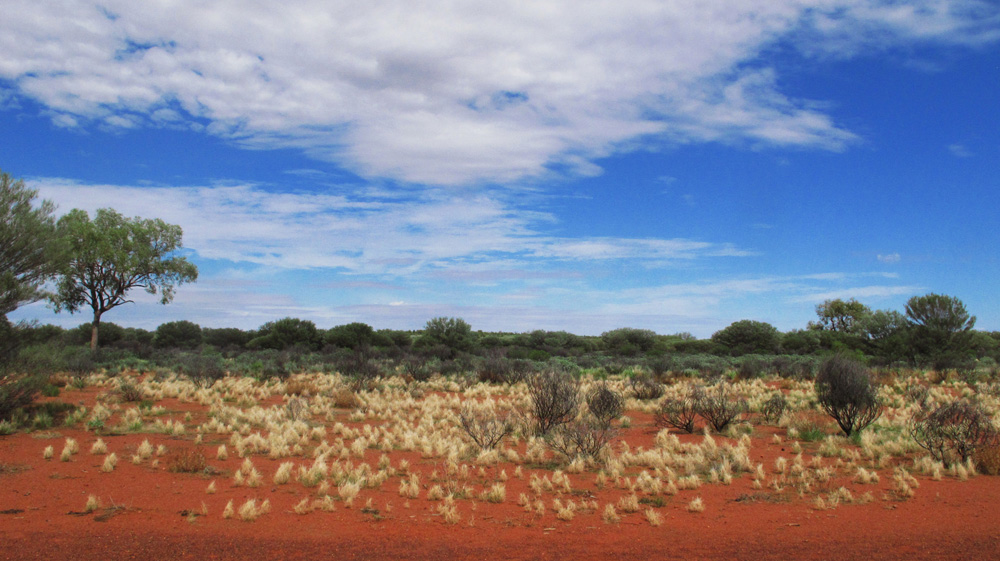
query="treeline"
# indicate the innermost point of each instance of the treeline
(935, 331)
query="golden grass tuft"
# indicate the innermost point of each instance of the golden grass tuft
(696, 505)
(99, 447)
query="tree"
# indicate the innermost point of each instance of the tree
(287, 333)
(179, 335)
(29, 249)
(110, 255)
(941, 326)
(838, 315)
(453, 333)
(748, 336)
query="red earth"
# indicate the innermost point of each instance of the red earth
(149, 512)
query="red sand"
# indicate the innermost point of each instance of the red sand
(41, 504)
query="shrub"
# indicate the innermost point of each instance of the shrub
(645, 387)
(953, 432)
(495, 368)
(772, 409)
(18, 391)
(846, 392)
(679, 413)
(581, 439)
(720, 406)
(605, 404)
(129, 392)
(486, 428)
(554, 399)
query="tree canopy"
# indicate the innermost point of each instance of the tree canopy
(28, 244)
(110, 255)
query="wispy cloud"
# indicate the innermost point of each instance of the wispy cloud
(453, 93)
(362, 233)
(889, 258)
(960, 151)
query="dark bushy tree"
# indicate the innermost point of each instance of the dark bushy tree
(605, 404)
(286, 333)
(838, 315)
(845, 390)
(941, 327)
(178, 335)
(748, 337)
(353, 336)
(720, 406)
(628, 341)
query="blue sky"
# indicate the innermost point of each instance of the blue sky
(670, 165)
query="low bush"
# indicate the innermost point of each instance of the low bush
(487, 428)
(605, 404)
(555, 397)
(586, 439)
(720, 406)
(772, 409)
(644, 387)
(679, 413)
(845, 390)
(188, 461)
(953, 432)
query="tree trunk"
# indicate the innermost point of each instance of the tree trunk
(93, 331)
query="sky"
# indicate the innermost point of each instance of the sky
(674, 165)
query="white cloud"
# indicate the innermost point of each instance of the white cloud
(455, 93)
(368, 232)
(889, 258)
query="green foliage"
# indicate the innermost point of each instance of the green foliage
(225, 337)
(748, 337)
(628, 341)
(453, 333)
(286, 333)
(355, 336)
(178, 335)
(29, 248)
(111, 255)
(838, 315)
(941, 328)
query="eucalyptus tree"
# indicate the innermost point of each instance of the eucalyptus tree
(28, 245)
(111, 255)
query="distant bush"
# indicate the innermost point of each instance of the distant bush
(845, 390)
(645, 387)
(628, 341)
(748, 337)
(578, 439)
(201, 368)
(178, 335)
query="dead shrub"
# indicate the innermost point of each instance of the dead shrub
(486, 428)
(188, 461)
(345, 398)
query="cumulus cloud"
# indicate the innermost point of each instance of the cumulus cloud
(455, 93)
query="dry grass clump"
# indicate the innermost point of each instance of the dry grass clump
(345, 398)
(696, 505)
(99, 447)
(652, 517)
(609, 515)
(92, 504)
(48, 452)
(110, 461)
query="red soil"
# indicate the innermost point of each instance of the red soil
(145, 513)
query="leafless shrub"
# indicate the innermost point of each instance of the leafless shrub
(679, 413)
(953, 432)
(605, 404)
(586, 439)
(721, 406)
(772, 409)
(487, 428)
(188, 461)
(555, 397)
